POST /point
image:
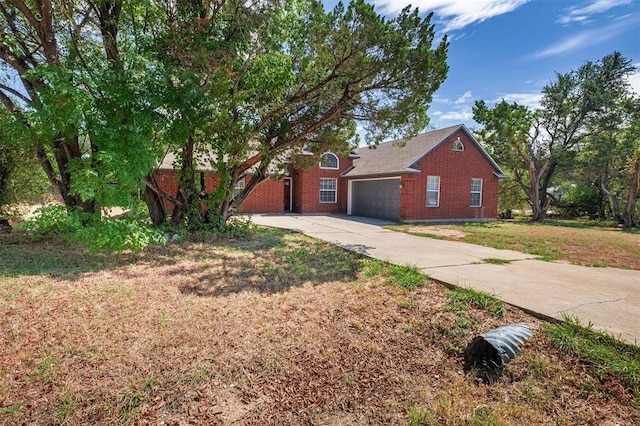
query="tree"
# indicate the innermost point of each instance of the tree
(536, 145)
(606, 163)
(252, 84)
(77, 94)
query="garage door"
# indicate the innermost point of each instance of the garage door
(376, 198)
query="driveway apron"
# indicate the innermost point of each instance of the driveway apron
(608, 298)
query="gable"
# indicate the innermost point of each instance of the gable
(403, 156)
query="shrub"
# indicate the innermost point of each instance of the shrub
(99, 234)
(580, 201)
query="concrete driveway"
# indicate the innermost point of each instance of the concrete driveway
(607, 297)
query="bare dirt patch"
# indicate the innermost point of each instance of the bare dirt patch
(448, 233)
(284, 330)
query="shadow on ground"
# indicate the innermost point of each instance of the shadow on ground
(269, 261)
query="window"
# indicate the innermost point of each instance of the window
(476, 192)
(238, 187)
(329, 161)
(457, 145)
(328, 190)
(433, 191)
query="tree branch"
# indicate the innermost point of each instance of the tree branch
(15, 93)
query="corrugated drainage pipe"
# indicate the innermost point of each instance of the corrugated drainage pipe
(497, 347)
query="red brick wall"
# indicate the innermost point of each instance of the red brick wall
(455, 170)
(268, 197)
(167, 182)
(306, 189)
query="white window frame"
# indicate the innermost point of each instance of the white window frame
(476, 191)
(324, 158)
(325, 190)
(431, 190)
(457, 145)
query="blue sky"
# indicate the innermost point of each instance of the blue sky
(509, 49)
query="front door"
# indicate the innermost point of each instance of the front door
(287, 194)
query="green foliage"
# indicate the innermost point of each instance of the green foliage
(236, 227)
(117, 234)
(535, 146)
(89, 105)
(20, 177)
(511, 196)
(608, 356)
(55, 220)
(580, 200)
(279, 78)
(99, 234)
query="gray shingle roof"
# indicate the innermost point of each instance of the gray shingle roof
(389, 158)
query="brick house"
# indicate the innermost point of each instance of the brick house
(444, 175)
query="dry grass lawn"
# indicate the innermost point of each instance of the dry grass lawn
(564, 241)
(276, 329)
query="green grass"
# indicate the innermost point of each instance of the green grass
(65, 407)
(607, 356)
(10, 409)
(491, 235)
(129, 404)
(483, 417)
(404, 276)
(495, 261)
(461, 298)
(421, 417)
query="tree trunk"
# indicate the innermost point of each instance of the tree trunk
(614, 201)
(188, 206)
(155, 205)
(632, 197)
(538, 213)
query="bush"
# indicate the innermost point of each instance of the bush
(94, 232)
(54, 220)
(580, 201)
(117, 234)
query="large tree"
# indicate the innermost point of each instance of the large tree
(253, 83)
(536, 145)
(609, 163)
(104, 88)
(79, 92)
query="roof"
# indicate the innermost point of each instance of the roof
(202, 163)
(205, 163)
(401, 156)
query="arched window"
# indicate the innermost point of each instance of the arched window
(329, 161)
(457, 145)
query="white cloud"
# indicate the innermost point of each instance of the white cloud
(459, 110)
(456, 14)
(582, 14)
(466, 97)
(439, 99)
(585, 38)
(531, 100)
(462, 115)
